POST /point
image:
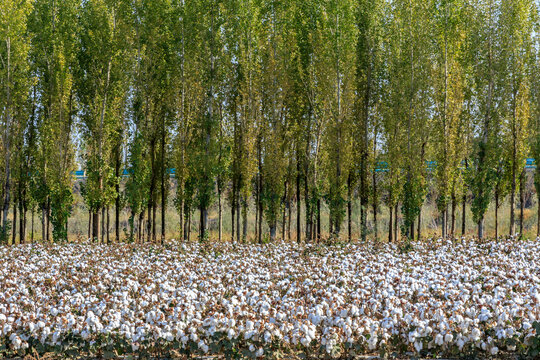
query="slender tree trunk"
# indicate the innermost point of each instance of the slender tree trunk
(43, 222)
(154, 228)
(538, 215)
(453, 225)
(244, 219)
(308, 205)
(419, 227)
(481, 228)
(396, 222)
(318, 220)
(220, 215)
(349, 208)
(521, 202)
(32, 227)
(103, 233)
(298, 204)
(22, 221)
(117, 198)
(238, 217)
(390, 224)
(189, 226)
(289, 217)
(108, 226)
(48, 219)
(7, 140)
(14, 227)
(443, 223)
(496, 214)
(89, 224)
(512, 230)
(95, 225)
(233, 210)
(284, 215)
(463, 214)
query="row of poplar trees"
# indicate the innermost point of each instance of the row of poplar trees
(265, 104)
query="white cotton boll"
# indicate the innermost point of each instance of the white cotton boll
(260, 352)
(460, 343)
(448, 338)
(305, 341)
(7, 328)
(252, 348)
(526, 325)
(3, 318)
(267, 336)
(439, 340)
(494, 350)
(475, 334)
(202, 345)
(418, 346)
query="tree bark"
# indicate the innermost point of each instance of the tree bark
(390, 224)
(244, 219)
(233, 210)
(108, 226)
(496, 214)
(14, 227)
(318, 219)
(396, 222)
(298, 204)
(521, 202)
(419, 227)
(349, 208)
(463, 214)
(117, 199)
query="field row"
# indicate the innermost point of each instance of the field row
(439, 299)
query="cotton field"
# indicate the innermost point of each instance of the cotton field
(438, 299)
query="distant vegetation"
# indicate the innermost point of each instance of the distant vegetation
(274, 114)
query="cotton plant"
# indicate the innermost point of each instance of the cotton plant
(441, 298)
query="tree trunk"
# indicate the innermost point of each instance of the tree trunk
(453, 225)
(318, 219)
(443, 223)
(14, 227)
(89, 224)
(117, 199)
(103, 236)
(238, 217)
(390, 224)
(349, 208)
(481, 228)
(233, 210)
(244, 219)
(43, 222)
(396, 222)
(298, 204)
(521, 202)
(220, 210)
(463, 214)
(283, 220)
(32, 227)
(22, 221)
(154, 210)
(496, 214)
(95, 225)
(419, 227)
(308, 206)
(48, 219)
(108, 226)
(538, 215)
(512, 230)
